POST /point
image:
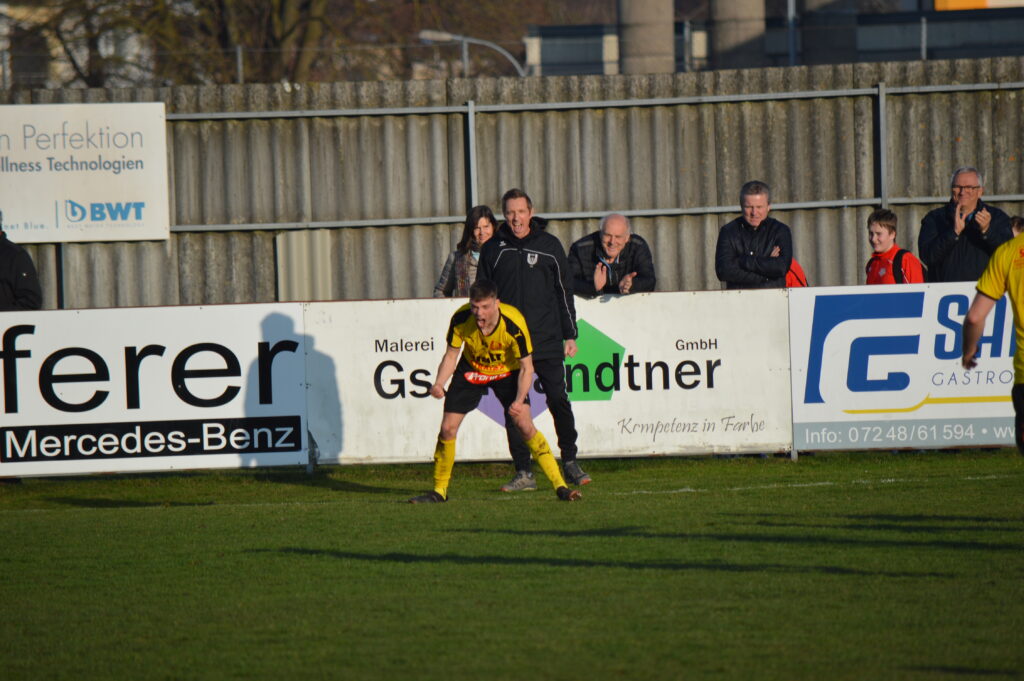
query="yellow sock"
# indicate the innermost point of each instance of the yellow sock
(444, 460)
(541, 453)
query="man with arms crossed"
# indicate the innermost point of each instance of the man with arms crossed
(528, 266)
(1003, 274)
(754, 250)
(495, 354)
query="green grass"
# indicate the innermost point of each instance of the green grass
(860, 566)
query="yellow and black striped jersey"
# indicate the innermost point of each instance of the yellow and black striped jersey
(497, 354)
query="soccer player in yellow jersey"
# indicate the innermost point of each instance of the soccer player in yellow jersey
(495, 353)
(1004, 274)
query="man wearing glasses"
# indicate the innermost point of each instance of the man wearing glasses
(956, 240)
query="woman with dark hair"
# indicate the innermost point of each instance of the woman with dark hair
(459, 270)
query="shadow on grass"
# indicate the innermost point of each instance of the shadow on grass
(669, 566)
(325, 481)
(122, 503)
(966, 671)
(885, 527)
(889, 517)
(755, 538)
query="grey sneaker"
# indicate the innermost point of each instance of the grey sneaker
(574, 475)
(522, 482)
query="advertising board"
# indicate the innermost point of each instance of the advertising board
(145, 389)
(878, 367)
(656, 374)
(84, 172)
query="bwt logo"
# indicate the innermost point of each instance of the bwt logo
(831, 311)
(103, 212)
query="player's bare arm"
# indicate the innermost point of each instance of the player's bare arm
(444, 371)
(974, 325)
(523, 387)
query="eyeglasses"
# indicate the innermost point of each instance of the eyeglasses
(965, 187)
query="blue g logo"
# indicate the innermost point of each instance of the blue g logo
(831, 311)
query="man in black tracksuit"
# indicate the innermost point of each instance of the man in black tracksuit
(531, 272)
(19, 284)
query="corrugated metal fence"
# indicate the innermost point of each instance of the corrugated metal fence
(357, 190)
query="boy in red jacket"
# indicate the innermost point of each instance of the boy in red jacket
(890, 264)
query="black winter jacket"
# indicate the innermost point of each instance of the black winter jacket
(533, 275)
(949, 257)
(635, 257)
(743, 254)
(19, 284)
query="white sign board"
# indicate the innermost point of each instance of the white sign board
(878, 367)
(84, 172)
(148, 389)
(661, 373)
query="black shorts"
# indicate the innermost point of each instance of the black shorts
(463, 396)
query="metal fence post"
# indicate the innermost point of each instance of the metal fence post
(881, 147)
(924, 38)
(471, 154)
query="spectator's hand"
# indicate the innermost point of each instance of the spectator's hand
(959, 219)
(516, 409)
(971, 361)
(776, 252)
(570, 348)
(626, 284)
(983, 218)
(600, 277)
(437, 390)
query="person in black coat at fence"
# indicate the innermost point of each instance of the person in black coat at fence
(957, 239)
(611, 260)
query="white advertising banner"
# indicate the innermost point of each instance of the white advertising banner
(656, 374)
(147, 389)
(878, 367)
(84, 172)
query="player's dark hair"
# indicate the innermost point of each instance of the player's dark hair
(482, 289)
(1017, 223)
(515, 193)
(883, 217)
(473, 217)
(755, 188)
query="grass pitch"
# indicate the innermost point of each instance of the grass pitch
(895, 566)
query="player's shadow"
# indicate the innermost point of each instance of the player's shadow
(324, 479)
(402, 558)
(760, 538)
(318, 395)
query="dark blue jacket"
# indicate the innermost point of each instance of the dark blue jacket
(950, 257)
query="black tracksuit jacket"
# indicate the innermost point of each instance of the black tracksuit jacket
(532, 274)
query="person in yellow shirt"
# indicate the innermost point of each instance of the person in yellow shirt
(488, 348)
(1003, 274)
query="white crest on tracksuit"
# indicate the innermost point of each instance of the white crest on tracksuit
(531, 259)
